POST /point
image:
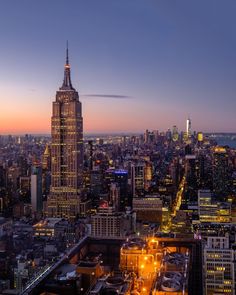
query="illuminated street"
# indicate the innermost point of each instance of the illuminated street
(179, 196)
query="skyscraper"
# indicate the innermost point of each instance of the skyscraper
(66, 151)
(175, 133)
(36, 189)
(137, 178)
(188, 127)
(221, 175)
(219, 266)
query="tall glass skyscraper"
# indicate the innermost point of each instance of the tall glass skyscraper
(66, 151)
(188, 127)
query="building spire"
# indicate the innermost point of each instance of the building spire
(67, 53)
(67, 85)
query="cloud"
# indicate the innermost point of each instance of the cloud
(113, 96)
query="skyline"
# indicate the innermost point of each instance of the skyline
(145, 66)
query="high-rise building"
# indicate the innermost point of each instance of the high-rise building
(114, 196)
(219, 266)
(148, 171)
(46, 158)
(201, 171)
(200, 137)
(207, 210)
(137, 178)
(36, 189)
(120, 177)
(66, 151)
(188, 127)
(175, 133)
(190, 170)
(146, 136)
(221, 179)
(168, 134)
(211, 211)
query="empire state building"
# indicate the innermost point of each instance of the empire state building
(66, 151)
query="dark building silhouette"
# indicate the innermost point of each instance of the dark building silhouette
(220, 173)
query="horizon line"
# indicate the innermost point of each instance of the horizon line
(113, 133)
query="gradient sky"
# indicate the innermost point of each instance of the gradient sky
(136, 64)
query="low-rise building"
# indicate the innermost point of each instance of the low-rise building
(109, 223)
(46, 228)
(148, 208)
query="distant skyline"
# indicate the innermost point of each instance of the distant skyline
(136, 64)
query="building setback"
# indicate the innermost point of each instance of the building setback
(66, 151)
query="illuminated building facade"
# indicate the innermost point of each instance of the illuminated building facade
(56, 229)
(219, 266)
(66, 151)
(148, 175)
(212, 211)
(107, 223)
(188, 127)
(46, 159)
(206, 210)
(46, 228)
(137, 178)
(175, 133)
(110, 223)
(200, 137)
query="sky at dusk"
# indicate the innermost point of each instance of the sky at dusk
(136, 64)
